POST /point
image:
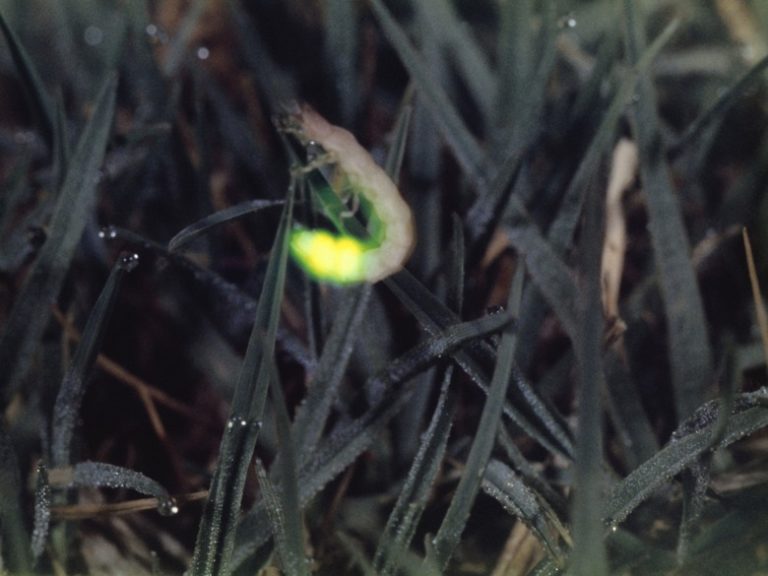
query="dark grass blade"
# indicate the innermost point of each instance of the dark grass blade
(504, 485)
(348, 440)
(66, 410)
(412, 500)
(515, 56)
(341, 55)
(204, 225)
(589, 555)
(434, 316)
(717, 111)
(690, 353)
(103, 475)
(673, 459)
(15, 550)
(449, 535)
(74, 206)
(464, 52)
(462, 142)
(40, 101)
(290, 536)
(313, 412)
(216, 533)
(42, 511)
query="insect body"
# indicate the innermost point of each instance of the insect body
(343, 258)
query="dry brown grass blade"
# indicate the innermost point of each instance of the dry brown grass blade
(623, 171)
(85, 511)
(762, 317)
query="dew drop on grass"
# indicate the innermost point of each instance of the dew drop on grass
(568, 21)
(93, 35)
(203, 53)
(129, 261)
(167, 506)
(108, 233)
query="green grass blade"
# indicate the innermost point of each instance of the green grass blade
(504, 485)
(690, 353)
(462, 142)
(180, 42)
(290, 537)
(15, 550)
(449, 535)
(412, 500)
(673, 459)
(74, 206)
(589, 556)
(66, 410)
(203, 226)
(40, 101)
(216, 533)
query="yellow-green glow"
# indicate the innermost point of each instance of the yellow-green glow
(328, 257)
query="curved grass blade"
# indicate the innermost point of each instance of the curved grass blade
(466, 149)
(689, 350)
(504, 485)
(216, 533)
(674, 458)
(15, 538)
(449, 534)
(74, 205)
(189, 233)
(66, 410)
(412, 500)
(103, 475)
(720, 107)
(41, 103)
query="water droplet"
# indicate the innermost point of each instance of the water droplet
(93, 36)
(203, 53)
(151, 30)
(167, 506)
(129, 261)
(108, 233)
(567, 21)
(614, 527)
(156, 34)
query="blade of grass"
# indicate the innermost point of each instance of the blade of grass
(464, 51)
(447, 119)
(42, 511)
(216, 533)
(449, 535)
(74, 205)
(15, 550)
(103, 475)
(589, 557)
(504, 485)
(412, 500)
(625, 496)
(290, 530)
(189, 233)
(40, 101)
(515, 55)
(689, 350)
(66, 410)
(720, 107)
(762, 317)
(178, 45)
(341, 54)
